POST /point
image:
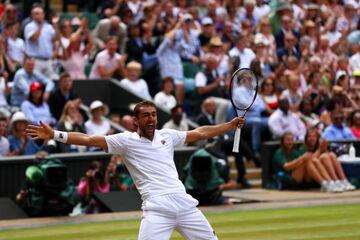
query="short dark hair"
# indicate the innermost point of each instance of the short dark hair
(64, 75)
(142, 104)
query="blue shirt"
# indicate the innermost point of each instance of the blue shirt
(31, 148)
(22, 81)
(243, 97)
(37, 113)
(333, 133)
(43, 47)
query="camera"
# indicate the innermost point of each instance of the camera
(98, 174)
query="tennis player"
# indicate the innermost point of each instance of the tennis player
(149, 155)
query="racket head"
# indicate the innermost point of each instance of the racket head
(243, 89)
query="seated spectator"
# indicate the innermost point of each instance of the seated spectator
(293, 93)
(20, 142)
(128, 123)
(134, 83)
(292, 167)
(35, 109)
(119, 177)
(95, 180)
(207, 177)
(4, 142)
(337, 130)
(209, 84)
(61, 95)
(22, 80)
(289, 48)
(5, 90)
(108, 63)
(207, 115)
(282, 120)
(164, 99)
(7, 68)
(96, 125)
(177, 121)
(216, 47)
(268, 95)
(74, 56)
(311, 119)
(354, 123)
(244, 54)
(207, 32)
(319, 149)
(71, 120)
(317, 92)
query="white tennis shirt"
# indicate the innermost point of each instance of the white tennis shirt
(150, 163)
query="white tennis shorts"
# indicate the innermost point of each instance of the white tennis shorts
(166, 213)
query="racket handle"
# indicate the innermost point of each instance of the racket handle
(237, 140)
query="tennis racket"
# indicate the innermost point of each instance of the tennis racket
(243, 91)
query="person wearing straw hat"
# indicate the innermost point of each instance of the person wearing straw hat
(96, 125)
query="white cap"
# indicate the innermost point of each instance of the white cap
(18, 116)
(339, 74)
(187, 16)
(207, 21)
(96, 104)
(260, 39)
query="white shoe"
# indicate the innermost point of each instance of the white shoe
(334, 187)
(348, 186)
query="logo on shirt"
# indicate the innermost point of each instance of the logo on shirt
(163, 142)
(61, 135)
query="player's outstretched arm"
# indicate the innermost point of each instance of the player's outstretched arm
(206, 132)
(45, 132)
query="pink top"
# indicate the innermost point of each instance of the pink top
(75, 65)
(97, 188)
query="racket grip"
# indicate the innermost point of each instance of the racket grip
(237, 140)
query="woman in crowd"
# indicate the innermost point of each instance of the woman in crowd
(71, 120)
(164, 98)
(321, 154)
(95, 180)
(267, 93)
(34, 108)
(307, 115)
(354, 123)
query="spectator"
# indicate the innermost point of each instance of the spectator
(74, 56)
(134, 44)
(164, 98)
(15, 46)
(119, 177)
(282, 120)
(244, 54)
(310, 119)
(96, 125)
(216, 47)
(108, 63)
(354, 123)
(128, 123)
(189, 42)
(319, 149)
(22, 80)
(289, 48)
(207, 32)
(287, 28)
(5, 90)
(293, 93)
(4, 142)
(71, 120)
(209, 84)
(61, 95)
(39, 38)
(317, 92)
(9, 16)
(268, 95)
(170, 62)
(178, 120)
(337, 130)
(20, 142)
(7, 68)
(95, 180)
(35, 109)
(134, 83)
(207, 177)
(207, 115)
(293, 167)
(112, 26)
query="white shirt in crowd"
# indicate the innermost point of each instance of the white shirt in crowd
(165, 101)
(4, 146)
(150, 163)
(138, 87)
(246, 56)
(103, 59)
(171, 125)
(97, 129)
(3, 101)
(16, 49)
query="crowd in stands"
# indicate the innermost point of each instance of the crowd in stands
(181, 54)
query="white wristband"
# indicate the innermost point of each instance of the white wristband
(60, 136)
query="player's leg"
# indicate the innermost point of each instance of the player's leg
(193, 225)
(156, 226)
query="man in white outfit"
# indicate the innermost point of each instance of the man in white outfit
(149, 157)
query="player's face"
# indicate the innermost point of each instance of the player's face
(147, 121)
